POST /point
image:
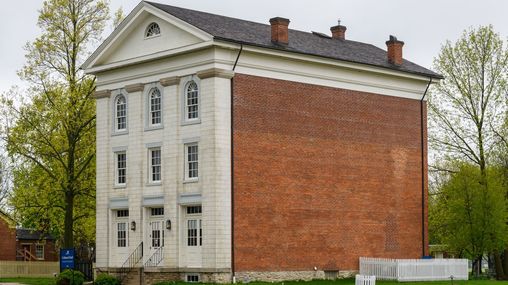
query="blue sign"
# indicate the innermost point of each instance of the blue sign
(67, 258)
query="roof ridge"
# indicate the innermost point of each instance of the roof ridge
(253, 33)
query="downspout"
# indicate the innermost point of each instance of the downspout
(423, 166)
(233, 177)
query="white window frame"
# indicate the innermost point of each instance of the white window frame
(146, 36)
(115, 129)
(148, 107)
(121, 220)
(198, 225)
(187, 177)
(184, 106)
(151, 165)
(125, 223)
(117, 169)
(42, 251)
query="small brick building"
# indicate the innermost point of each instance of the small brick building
(35, 246)
(232, 149)
(24, 244)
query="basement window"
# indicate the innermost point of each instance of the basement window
(331, 274)
(193, 278)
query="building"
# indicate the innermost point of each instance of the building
(228, 148)
(24, 244)
(8, 234)
(32, 245)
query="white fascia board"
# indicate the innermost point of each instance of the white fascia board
(326, 61)
(150, 57)
(88, 65)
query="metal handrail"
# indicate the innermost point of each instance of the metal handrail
(131, 262)
(156, 258)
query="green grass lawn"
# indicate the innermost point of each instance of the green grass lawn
(352, 282)
(51, 281)
(30, 281)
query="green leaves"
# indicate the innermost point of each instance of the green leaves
(472, 213)
(50, 134)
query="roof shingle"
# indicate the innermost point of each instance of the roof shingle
(257, 34)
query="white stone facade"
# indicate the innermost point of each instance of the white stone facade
(212, 189)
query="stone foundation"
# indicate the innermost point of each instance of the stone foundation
(154, 275)
(279, 276)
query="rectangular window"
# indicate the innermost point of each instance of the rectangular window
(157, 211)
(192, 161)
(155, 165)
(194, 210)
(192, 278)
(39, 251)
(122, 234)
(122, 213)
(121, 168)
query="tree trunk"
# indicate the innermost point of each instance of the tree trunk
(499, 266)
(505, 263)
(68, 241)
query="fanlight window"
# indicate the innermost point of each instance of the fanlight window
(152, 30)
(192, 101)
(155, 107)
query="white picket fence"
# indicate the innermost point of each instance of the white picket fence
(415, 269)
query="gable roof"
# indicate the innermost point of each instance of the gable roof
(29, 234)
(7, 218)
(257, 34)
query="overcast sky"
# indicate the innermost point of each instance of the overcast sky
(423, 25)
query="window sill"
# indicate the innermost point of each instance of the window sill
(155, 127)
(191, 122)
(191, 180)
(119, 133)
(149, 184)
(151, 37)
(120, 186)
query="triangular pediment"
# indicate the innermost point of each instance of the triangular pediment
(129, 42)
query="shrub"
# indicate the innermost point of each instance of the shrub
(106, 279)
(70, 277)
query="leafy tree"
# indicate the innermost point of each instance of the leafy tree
(51, 130)
(467, 108)
(467, 217)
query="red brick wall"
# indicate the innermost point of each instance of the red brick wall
(323, 176)
(50, 252)
(7, 241)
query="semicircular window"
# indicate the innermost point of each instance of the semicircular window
(152, 30)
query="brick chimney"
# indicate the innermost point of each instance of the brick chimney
(394, 50)
(338, 32)
(279, 30)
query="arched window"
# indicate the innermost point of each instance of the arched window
(155, 106)
(192, 101)
(152, 30)
(120, 113)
